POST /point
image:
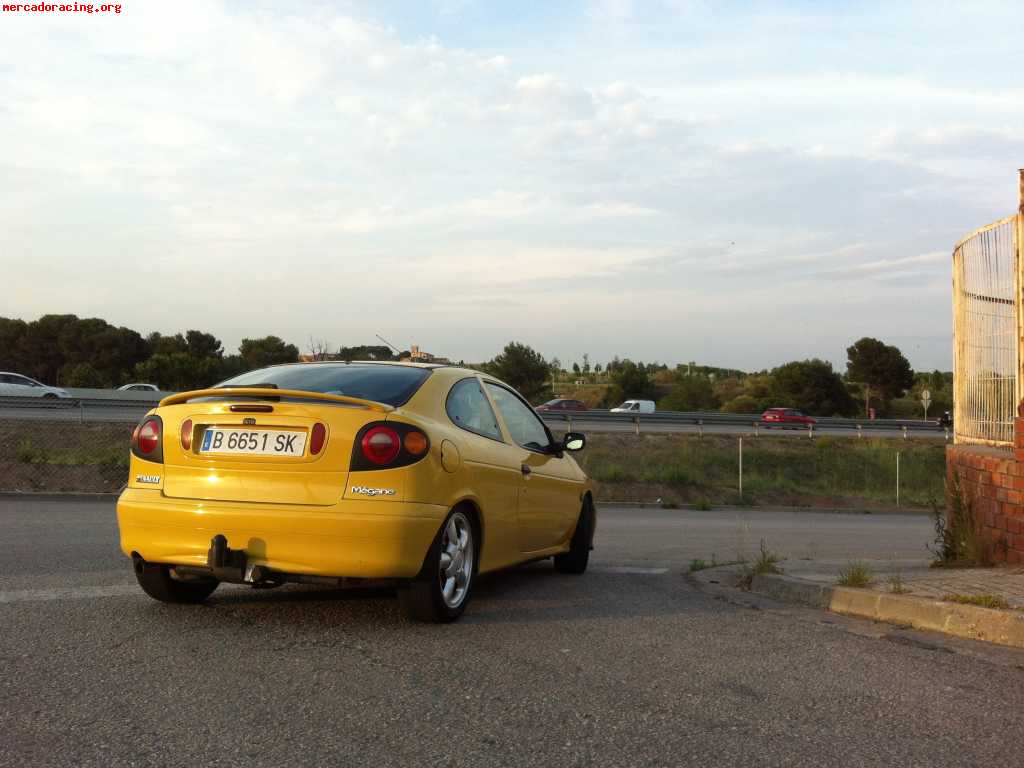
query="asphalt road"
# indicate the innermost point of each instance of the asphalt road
(629, 665)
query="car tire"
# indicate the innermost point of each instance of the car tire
(575, 560)
(442, 590)
(49, 396)
(157, 582)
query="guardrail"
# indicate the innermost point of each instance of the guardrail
(75, 408)
(709, 418)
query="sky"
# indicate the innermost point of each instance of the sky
(737, 184)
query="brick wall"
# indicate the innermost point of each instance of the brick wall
(992, 481)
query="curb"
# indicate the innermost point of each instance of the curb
(970, 621)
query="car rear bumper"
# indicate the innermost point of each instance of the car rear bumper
(353, 538)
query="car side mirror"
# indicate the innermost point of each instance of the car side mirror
(574, 441)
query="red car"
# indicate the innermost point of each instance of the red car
(786, 417)
(562, 404)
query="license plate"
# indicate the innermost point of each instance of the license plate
(253, 442)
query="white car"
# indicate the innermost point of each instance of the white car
(635, 406)
(138, 388)
(14, 385)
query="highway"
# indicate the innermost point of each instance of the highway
(631, 664)
(591, 421)
(583, 425)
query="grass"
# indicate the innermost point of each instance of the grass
(984, 601)
(856, 574)
(840, 471)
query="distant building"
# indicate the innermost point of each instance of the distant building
(417, 355)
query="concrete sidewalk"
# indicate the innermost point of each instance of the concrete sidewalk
(902, 592)
(919, 579)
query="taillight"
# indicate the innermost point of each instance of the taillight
(392, 444)
(146, 439)
(317, 438)
(186, 434)
(415, 442)
(381, 445)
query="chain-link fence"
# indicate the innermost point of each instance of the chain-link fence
(986, 318)
(38, 455)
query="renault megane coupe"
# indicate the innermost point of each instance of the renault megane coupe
(333, 473)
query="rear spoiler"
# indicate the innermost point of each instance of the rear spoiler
(229, 392)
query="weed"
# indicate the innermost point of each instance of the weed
(856, 574)
(896, 585)
(985, 601)
(669, 503)
(956, 540)
(702, 504)
(697, 564)
(28, 452)
(767, 561)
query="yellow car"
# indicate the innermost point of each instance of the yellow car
(333, 473)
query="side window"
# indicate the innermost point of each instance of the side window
(468, 408)
(524, 425)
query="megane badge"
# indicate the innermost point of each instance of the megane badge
(362, 489)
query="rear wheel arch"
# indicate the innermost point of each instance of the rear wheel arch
(472, 511)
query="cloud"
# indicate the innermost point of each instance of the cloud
(632, 192)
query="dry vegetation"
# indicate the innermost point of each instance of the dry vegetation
(843, 472)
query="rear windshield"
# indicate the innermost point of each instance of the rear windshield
(390, 384)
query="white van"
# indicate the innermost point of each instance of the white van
(635, 406)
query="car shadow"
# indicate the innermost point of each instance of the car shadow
(533, 592)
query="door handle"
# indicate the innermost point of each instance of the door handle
(526, 469)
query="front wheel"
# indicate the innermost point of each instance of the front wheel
(576, 559)
(157, 582)
(441, 591)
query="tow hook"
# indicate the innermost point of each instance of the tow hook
(227, 564)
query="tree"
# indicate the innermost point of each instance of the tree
(11, 332)
(576, 368)
(742, 404)
(586, 364)
(597, 368)
(690, 393)
(523, 368)
(629, 380)
(812, 386)
(880, 369)
(270, 350)
(318, 349)
(202, 345)
(83, 375)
